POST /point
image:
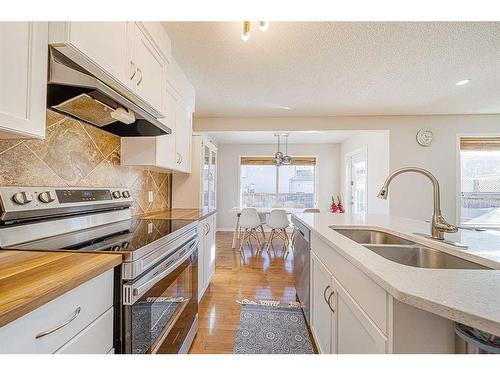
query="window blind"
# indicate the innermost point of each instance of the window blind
(480, 143)
(269, 160)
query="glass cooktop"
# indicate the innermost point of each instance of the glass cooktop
(124, 236)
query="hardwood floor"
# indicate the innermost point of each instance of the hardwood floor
(260, 277)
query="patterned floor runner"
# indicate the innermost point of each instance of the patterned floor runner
(267, 328)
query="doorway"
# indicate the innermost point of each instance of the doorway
(357, 181)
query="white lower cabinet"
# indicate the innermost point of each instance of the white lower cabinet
(351, 314)
(206, 253)
(355, 332)
(97, 338)
(322, 318)
(338, 324)
(79, 321)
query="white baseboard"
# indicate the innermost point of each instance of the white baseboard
(225, 229)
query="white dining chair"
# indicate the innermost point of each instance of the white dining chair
(277, 205)
(278, 222)
(298, 205)
(249, 223)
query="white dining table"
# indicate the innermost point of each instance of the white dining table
(260, 210)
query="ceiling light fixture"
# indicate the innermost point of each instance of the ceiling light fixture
(279, 158)
(463, 82)
(245, 33)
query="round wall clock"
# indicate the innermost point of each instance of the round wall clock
(425, 137)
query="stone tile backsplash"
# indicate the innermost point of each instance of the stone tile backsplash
(74, 153)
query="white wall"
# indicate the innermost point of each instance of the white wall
(327, 169)
(377, 145)
(410, 195)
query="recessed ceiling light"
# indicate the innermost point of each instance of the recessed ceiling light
(283, 107)
(463, 82)
(313, 131)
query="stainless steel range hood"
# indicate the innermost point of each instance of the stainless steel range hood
(73, 91)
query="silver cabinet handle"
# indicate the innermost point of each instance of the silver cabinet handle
(140, 78)
(207, 226)
(52, 330)
(181, 159)
(329, 297)
(133, 67)
(324, 293)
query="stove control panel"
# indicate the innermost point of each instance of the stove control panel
(34, 202)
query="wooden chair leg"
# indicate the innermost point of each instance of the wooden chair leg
(270, 241)
(249, 239)
(263, 233)
(288, 248)
(259, 244)
(242, 240)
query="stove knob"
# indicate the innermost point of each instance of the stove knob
(116, 248)
(46, 197)
(23, 197)
(126, 194)
(117, 194)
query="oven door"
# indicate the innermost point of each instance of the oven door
(161, 306)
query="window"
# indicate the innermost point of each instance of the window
(480, 182)
(262, 184)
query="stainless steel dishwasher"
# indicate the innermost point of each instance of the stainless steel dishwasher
(302, 265)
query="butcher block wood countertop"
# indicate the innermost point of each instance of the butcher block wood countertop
(30, 279)
(181, 214)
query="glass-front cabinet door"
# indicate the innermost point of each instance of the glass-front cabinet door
(206, 178)
(212, 180)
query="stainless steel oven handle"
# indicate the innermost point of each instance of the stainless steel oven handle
(139, 290)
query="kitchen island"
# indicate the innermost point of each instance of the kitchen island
(394, 297)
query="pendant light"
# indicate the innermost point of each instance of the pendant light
(278, 157)
(287, 159)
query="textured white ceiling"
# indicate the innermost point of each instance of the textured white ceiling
(340, 68)
(266, 138)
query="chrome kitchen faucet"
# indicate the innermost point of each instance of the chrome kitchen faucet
(439, 226)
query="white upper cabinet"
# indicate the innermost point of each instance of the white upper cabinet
(174, 151)
(183, 134)
(23, 74)
(105, 44)
(148, 68)
(124, 55)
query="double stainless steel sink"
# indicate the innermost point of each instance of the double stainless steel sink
(403, 251)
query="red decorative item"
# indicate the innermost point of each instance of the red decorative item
(333, 207)
(340, 207)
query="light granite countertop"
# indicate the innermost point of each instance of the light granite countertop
(471, 297)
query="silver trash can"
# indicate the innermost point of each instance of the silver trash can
(474, 341)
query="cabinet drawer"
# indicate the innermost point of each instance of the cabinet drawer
(371, 297)
(97, 338)
(92, 299)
